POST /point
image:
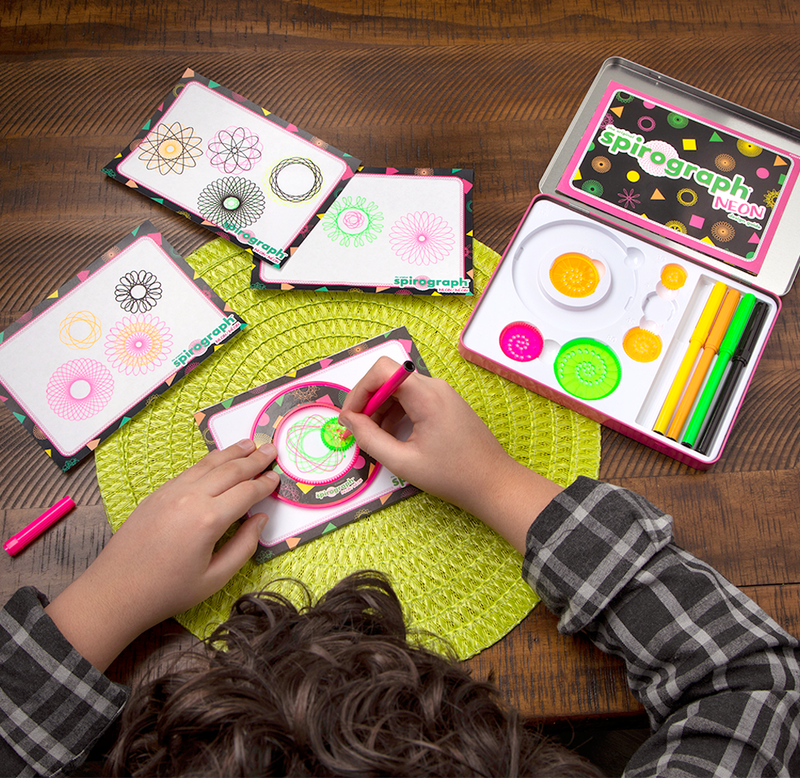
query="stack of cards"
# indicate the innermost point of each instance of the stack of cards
(309, 215)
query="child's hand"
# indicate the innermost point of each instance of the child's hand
(162, 561)
(449, 449)
(450, 453)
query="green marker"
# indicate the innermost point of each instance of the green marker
(726, 349)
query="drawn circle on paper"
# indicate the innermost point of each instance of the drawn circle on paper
(677, 121)
(687, 197)
(646, 123)
(318, 467)
(138, 344)
(654, 163)
(723, 231)
(601, 164)
(624, 97)
(587, 369)
(592, 187)
(80, 330)
(673, 224)
(724, 162)
(748, 149)
(79, 389)
(353, 221)
(231, 202)
(521, 341)
(236, 148)
(170, 148)
(138, 291)
(421, 238)
(295, 180)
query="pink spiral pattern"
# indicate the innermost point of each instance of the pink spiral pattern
(79, 389)
(421, 238)
(138, 344)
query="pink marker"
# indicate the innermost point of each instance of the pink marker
(17, 542)
(397, 378)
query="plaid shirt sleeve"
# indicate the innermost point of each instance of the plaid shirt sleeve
(54, 705)
(718, 677)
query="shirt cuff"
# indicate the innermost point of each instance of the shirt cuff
(54, 704)
(587, 544)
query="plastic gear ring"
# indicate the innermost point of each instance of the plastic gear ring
(335, 436)
(587, 369)
(673, 276)
(521, 341)
(574, 275)
(641, 345)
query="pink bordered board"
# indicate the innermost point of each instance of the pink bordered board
(226, 163)
(390, 231)
(327, 481)
(682, 175)
(83, 362)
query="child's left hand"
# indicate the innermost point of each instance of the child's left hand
(162, 560)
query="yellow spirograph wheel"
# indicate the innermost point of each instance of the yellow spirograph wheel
(574, 275)
(673, 276)
(641, 345)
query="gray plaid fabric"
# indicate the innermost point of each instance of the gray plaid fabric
(719, 679)
(54, 705)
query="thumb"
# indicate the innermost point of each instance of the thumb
(241, 547)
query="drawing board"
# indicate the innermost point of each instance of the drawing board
(83, 362)
(388, 230)
(224, 162)
(326, 480)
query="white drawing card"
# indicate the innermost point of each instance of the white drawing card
(388, 230)
(326, 480)
(224, 162)
(83, 362)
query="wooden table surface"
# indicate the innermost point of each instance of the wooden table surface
(491, 85)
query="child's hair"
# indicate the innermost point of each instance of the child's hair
(332, 688)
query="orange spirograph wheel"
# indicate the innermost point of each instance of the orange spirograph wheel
(673, 276)
(641, 345)
(574, 275)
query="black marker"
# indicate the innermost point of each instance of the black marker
(739, 360)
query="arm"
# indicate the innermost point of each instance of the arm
(55, 702)
(450, 452)
(162, 560)
(718, 678)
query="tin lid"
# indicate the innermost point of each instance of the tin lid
(691, 171)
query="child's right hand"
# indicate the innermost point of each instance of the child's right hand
(450, 452)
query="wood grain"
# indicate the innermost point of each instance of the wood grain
(491, 85)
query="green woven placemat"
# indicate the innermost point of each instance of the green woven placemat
(455, 577)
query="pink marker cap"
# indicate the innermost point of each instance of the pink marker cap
(17, 542)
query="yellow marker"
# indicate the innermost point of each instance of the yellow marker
(696, 342)
(710, 350)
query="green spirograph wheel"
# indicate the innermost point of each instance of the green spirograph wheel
(335, 436)
(587, 369)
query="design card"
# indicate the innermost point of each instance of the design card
(388, 230)
(326, 480)
(83, 362)
(682, 176)
(224, 162)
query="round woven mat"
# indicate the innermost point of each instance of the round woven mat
(455, 578)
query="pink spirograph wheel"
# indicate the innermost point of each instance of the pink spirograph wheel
(521, 341)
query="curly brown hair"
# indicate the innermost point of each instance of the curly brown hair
(332, 688)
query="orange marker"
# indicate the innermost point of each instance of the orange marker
(710, 350)
(701, 330)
